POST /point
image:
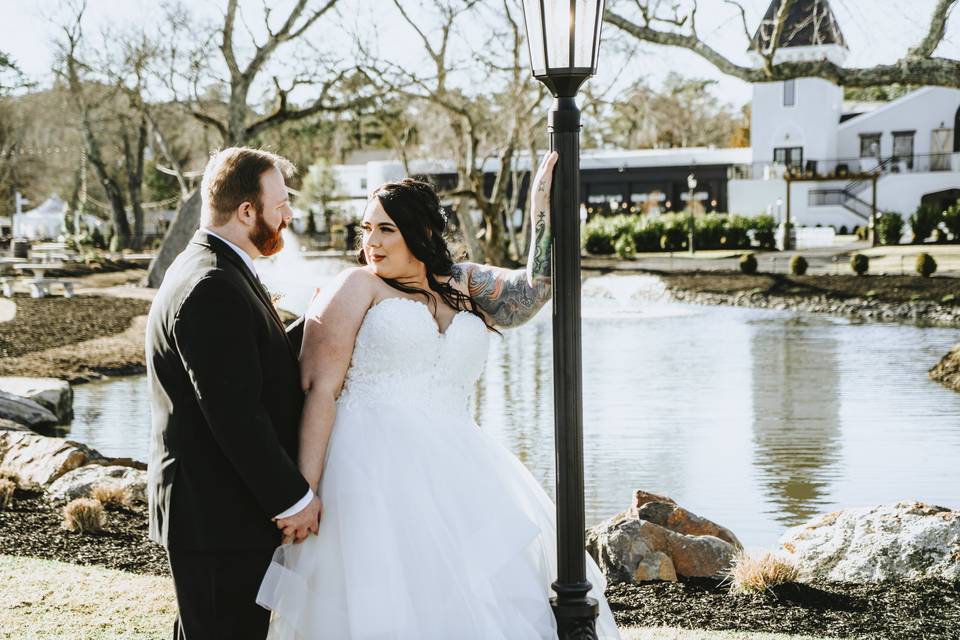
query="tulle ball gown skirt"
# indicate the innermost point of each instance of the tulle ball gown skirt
(430, 530)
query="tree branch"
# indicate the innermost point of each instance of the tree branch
(917, 67)
(938, 27)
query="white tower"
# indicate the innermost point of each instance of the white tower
(795, 122)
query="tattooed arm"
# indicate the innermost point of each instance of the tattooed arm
(511, 297)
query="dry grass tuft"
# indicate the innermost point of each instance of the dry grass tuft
(755, 575)
(12, 476)
(7, 488)
(111, 495)
(83, 515)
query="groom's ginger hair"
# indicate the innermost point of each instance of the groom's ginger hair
(232, 177)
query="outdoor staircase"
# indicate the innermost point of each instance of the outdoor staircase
(849, 196)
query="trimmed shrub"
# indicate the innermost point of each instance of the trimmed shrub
(673, 239)
(752, 575)
(83, 515)
(598, 238)
(111, 495)
(624, 246)
(951, 220)
(859, 263)
(923, 221)
(926, 265)
(748, 263)
(7, 489)
(862, 233)
(798, 265)
(889, 228)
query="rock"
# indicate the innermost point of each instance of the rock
(947, 371)
(53, 394)
(39, 459)
(902, 541)
(26, 412)
(666, 513)
(80, 482)
(655, 539)
(10, 425)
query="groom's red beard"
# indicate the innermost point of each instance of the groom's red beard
(267, 240)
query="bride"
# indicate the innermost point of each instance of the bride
(430, 528)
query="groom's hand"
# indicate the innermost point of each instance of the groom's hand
(297, 527)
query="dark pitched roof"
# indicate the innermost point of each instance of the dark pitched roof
(809, 23)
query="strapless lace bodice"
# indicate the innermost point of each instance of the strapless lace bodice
(401, 357)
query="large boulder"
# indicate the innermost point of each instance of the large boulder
(655, 539)
(25, 411)
(902, 541)
(52, 393)
(80, 482)
(39, 459)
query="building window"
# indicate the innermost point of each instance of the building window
(903, 147)
(789, 156)
(363, 184)
(789, 93)
(869, 145)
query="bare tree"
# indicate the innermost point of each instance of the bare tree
(675, 24)
(481, 130)
(234, 116)
(86, 100)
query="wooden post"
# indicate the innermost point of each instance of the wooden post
(873, 212)
(786, 222)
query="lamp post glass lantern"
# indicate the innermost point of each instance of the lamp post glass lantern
(564, 41)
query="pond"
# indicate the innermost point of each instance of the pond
(755, 419)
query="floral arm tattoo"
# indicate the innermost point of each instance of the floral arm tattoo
(511, 297)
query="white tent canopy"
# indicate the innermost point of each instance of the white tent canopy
(46, 221)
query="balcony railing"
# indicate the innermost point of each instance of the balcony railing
(843, 168)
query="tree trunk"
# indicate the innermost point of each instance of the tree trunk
(475, 251)
(184, 224)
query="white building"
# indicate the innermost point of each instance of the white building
(911, 144)
(801, 129)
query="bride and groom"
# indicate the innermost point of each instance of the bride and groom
(346, 440)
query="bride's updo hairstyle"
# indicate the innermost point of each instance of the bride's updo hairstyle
(415, 208)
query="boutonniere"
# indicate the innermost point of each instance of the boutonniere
(274, 297)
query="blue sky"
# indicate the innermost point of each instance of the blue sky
(877, 31)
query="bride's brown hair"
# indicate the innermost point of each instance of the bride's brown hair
(415, 208)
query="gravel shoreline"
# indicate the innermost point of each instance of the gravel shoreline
(920, 312)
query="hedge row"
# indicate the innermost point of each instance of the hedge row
(628, 234)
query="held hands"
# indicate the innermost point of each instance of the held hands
(297, 527)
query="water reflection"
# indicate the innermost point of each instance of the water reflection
(796, 426)
(755, 419)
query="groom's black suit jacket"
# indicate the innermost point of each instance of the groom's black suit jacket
(226, 400)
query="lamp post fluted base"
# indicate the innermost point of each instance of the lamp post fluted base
(576, 613)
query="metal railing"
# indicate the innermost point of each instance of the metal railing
(842, 168)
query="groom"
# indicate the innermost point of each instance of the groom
(226, 401)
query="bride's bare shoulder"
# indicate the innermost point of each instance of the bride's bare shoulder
(355, 287)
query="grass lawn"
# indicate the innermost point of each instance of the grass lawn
(47, 600)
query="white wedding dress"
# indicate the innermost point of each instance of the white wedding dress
(431, 530)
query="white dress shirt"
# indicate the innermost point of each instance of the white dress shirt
(247, 260)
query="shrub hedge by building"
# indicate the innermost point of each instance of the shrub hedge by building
(670, 232)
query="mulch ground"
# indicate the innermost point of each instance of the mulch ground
(44, 323)
(31, 526)
(894, 611)
(882, 288)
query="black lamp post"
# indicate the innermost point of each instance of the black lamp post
(564, 40)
